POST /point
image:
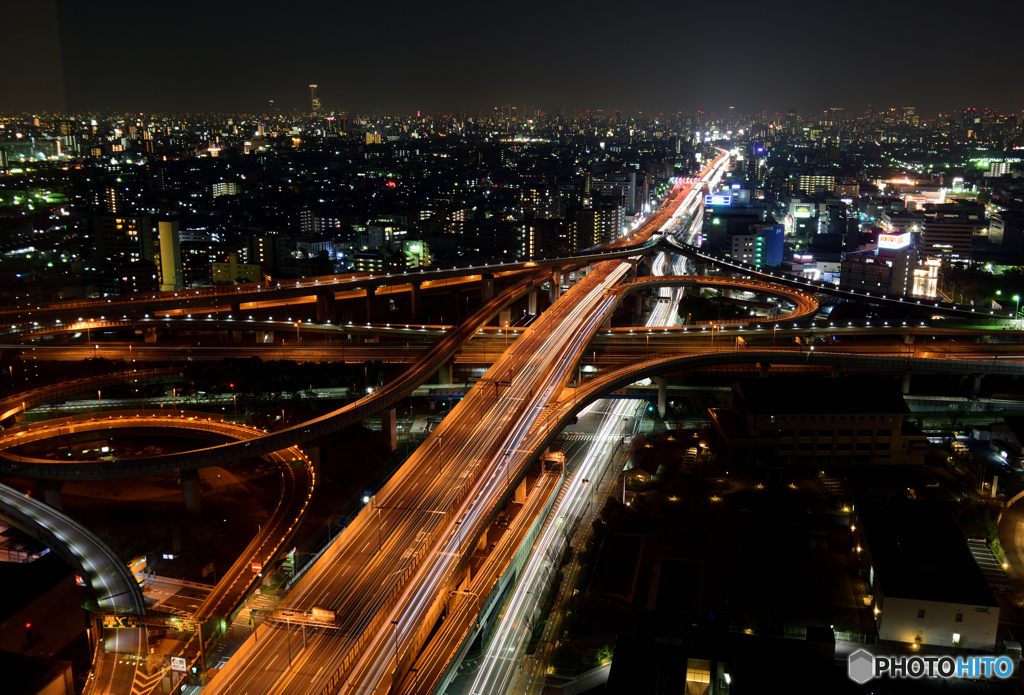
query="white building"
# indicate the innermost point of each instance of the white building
(925, 586)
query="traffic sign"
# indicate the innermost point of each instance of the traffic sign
(178, 663)
(257, 567)
(120, 621)
(208, 569)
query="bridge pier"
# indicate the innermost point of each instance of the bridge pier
(193, 498)
(370, 292)
(52, 495)
(150, 335)
(236, 336)
(236, 307)
(906, 382)
(486, 286)
(415, 300)
(265, 337)
(532, 303)
(326, 310)
(555, 286)
(389, 426)
(763, 368)
(520, 496)
(662, 394)
(444, 373)
(975, 385)
(505, 318)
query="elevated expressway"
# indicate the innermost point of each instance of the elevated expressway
(805, 305)
(121, 664)
(819, 287)
(392, 585)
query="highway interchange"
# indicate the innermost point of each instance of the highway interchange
(391, 574)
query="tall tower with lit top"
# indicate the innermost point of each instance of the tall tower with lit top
(314, 99)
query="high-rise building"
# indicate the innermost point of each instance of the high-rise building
(314, 100)
(124, 239)
(597, 225)
(811, 184)
(169, 262)
(539, 201)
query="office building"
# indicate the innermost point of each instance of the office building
(812, 184)
(810, 421)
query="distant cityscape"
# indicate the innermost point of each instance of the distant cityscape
(883, 200)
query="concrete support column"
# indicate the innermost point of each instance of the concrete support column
(520, 496)
(532, 303)
(151, 334)
(193, 498)
(638, 306)
(555, 288)
(836, 372)
(414, 300)
(662, 394)
(389, 426)
(52, 495)
(975, 385)
(607, 322)
(444, 373)
(486, 286)
(505, 318)
(326, 311)
(265, 337)
(370, 292)
(763, 368)
(236, 307)
(906, 382)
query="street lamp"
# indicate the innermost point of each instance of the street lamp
(774, 328)
(1016, 311)
(234, 397)
(297, 338)
(99, 396)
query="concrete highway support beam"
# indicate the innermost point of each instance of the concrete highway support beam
(906, 382)
(265, 337)
(326, 311)
(662, 394)
(444, 373)
(415, 300)
(52, 495)
(763, 368)
(520, 496)
(555, 286)
(531, 308)
(193, 498)
(486, 286)
(313, 453)
(370, 292)
(975, 385)
(389, 426)
(150, 335)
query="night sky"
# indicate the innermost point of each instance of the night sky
(401, 56)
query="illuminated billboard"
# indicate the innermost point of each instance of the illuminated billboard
(718, 199)
(802, 211)
(893, 241)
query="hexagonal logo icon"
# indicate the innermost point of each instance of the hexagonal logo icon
(861, 666)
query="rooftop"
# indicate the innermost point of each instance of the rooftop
(808, 394)
(918, 552)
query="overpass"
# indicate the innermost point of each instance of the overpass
(908, 304)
